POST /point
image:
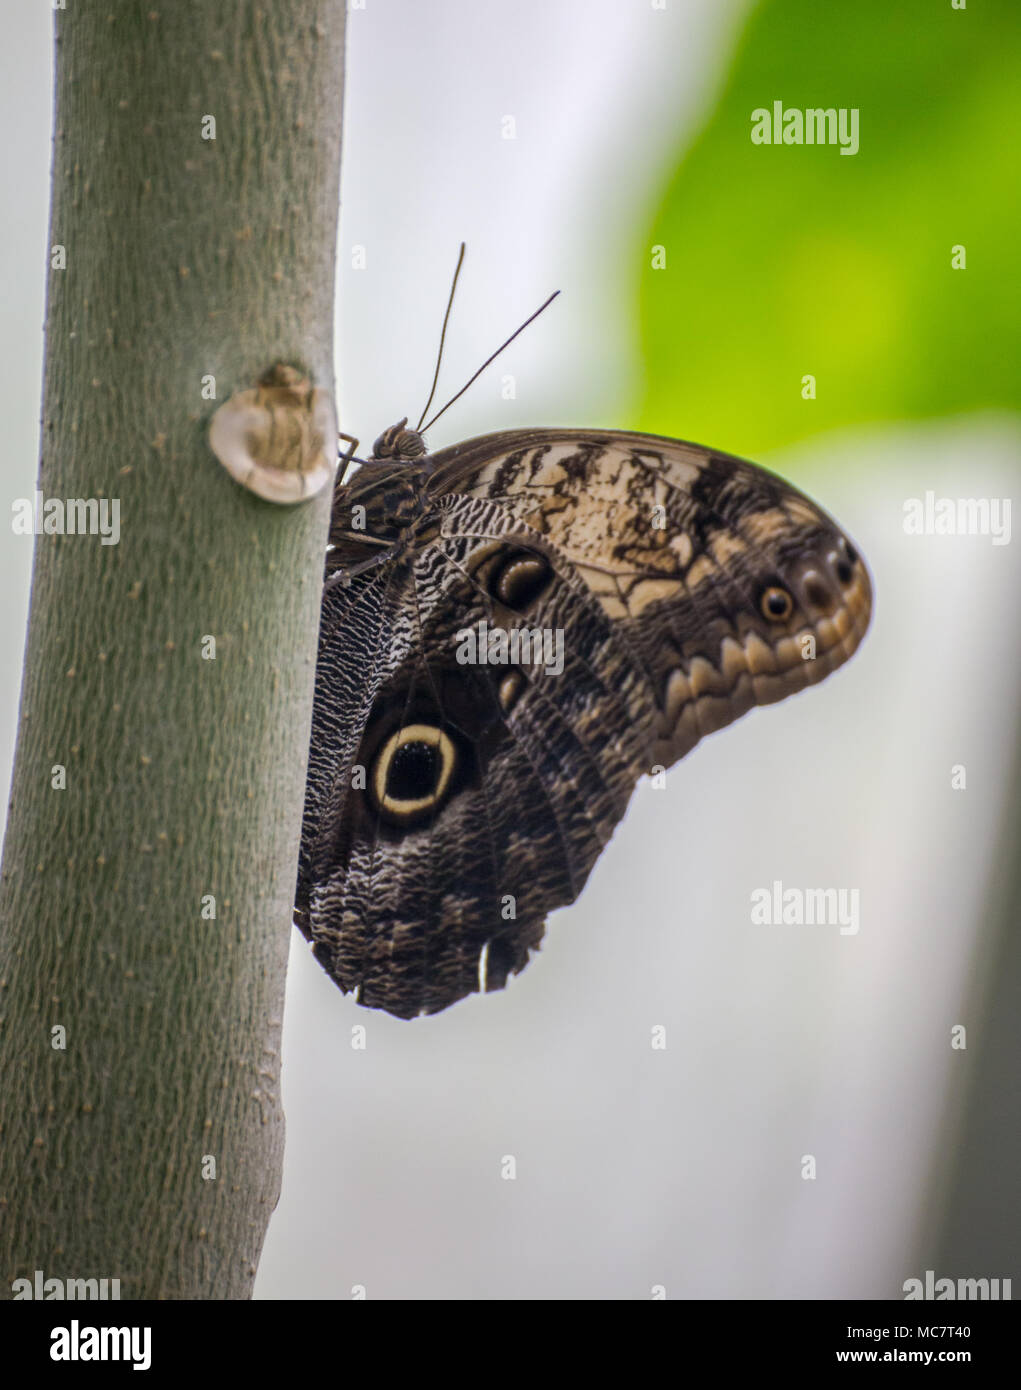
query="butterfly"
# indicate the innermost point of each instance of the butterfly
(514, 631)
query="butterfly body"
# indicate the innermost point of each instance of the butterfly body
(514, 631)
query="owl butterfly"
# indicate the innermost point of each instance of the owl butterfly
(514, 631)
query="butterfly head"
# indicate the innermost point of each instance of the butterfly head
(399, 444)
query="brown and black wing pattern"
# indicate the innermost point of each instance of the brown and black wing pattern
(452, 803)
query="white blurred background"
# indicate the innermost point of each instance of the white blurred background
(635, 1167)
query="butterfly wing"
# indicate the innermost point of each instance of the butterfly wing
(459, 788)
(735, 587)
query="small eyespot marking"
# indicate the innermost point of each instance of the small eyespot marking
(519, 580)
(776, 604)
(816, 589)
(510, 688)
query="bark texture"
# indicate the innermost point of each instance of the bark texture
(185, 258)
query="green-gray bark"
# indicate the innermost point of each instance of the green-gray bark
(185, 258)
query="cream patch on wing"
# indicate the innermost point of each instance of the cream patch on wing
(607, 509)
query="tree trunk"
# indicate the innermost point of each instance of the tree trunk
(971, 1227)
(141, 1131)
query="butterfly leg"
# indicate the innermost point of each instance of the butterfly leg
(346, 459)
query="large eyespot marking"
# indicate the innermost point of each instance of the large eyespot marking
(518, 578)
(412, 772)
(776, 604)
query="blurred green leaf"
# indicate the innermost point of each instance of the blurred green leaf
(787, 260)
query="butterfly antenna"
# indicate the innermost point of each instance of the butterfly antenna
(443, 336)
(486, 363)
